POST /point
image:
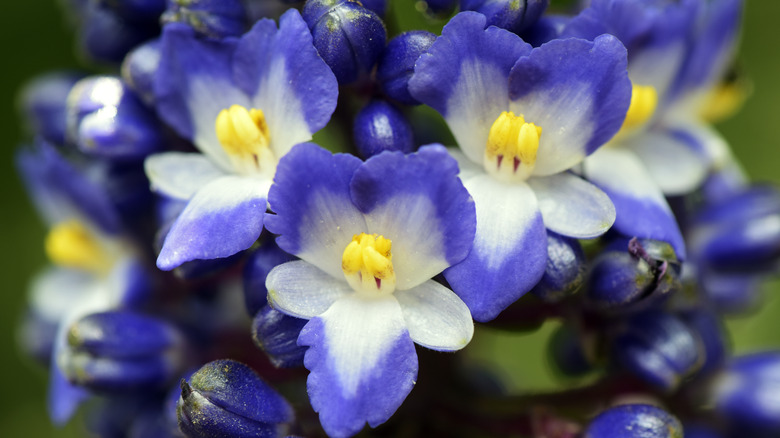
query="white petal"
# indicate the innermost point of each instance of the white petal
(435, 317)
(672, 164)
(468, 168)
(301, 289)
(573, 207)
(179, 175)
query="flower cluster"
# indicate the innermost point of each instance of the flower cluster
(205, 247)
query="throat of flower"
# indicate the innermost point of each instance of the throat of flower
(70, 244)
(367, 264)
(244, 135)
(511, 149)
(644, 100)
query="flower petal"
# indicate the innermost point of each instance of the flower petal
(223, 218)
(315, 217)
(302, 290)
(671, 162)
(573, 207)
(179, 175)
(510, 248)
(641, 208)
(464, 77)
(288, 80)
(418, 202)
(362, 362)
(577, 91)
(435, 317)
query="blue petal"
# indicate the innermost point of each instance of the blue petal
(362, 362)
(510, 248)
(577, 91)
(315, 216)
(418, 202)
(223, 218)
(464, 77)
(63, 398)
(642, 210)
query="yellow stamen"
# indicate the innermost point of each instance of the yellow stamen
(367, 263)
(512, 146)
(644, 100)
(72, 245)
(243, 133)
(724, 101)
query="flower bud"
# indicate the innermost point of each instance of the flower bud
(396, 65)
(746, 394)
(42, 101)
(211, 18)
(139, 69)
(107, 37)
(566, 353)
(512, 15)
(227, 398)
(565, 270)
(644, 421)
(136, 10)
(348, 37)
(439, 8)
(379, 7)
(277, 335)
(107, 120)
(380, 127)
(709, 328)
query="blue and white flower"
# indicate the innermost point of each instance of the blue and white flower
(370, 237)
(522, 117)
(244, 103)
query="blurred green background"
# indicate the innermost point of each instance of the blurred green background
(34, 38)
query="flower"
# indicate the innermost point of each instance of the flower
(371, 236)
(244, 103)
(522, 117)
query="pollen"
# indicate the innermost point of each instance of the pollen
(644, 100)
(72, 245)
(512, 146)
(367, 263)
(243, 133)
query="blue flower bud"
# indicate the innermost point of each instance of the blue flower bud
(439, 7)
(379, 7)
(512, 15)
(277, 335)
(746, 394)
(139, 69)
(107, 120)
(710, 330)
(136, 10)
(258, 265)
(658, 348)
(348, 37)
(644, 421)
(565, 270)
(566, 353)
(42, 101)
(380, 127)
(226, 398)
(121, 351)
(396, 65)
(546, 29)
(731, 292)
(212, 18)
(632, 275)
(107, 37)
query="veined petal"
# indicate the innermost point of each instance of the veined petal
(315, 216)
(577, 91)
(418, 202)
(435, 317)
(302, 290)
(179, 175)
(510, 248)
(464, 77)
(573, 207)
(223, 218)
(641, 208)
(362, 362)
(287, 79)
(670, 160)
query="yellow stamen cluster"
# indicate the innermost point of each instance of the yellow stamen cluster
(243, 133)
(511, 146)
(644, 100)
(367, 263)
(72, 245)
(724, 101)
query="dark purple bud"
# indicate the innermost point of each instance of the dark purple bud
(546, 28)
(440, 7)
(136, 10)
(710, 329)
(645, 421)
(746, 394)
(42, 102)
(348, 37)
(512, 15)
(107, 37)
(565, 270)
(277, 335)
(226, 398)
(396, 65)
(258, 265)
(211, 18)
(380, 127)
(566, 353)
(107, 120)
(658, 348)
(139, 68)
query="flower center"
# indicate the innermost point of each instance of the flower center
(72, 245)
(244, 135)
(367, 264)
(510, 154)
(644, 100)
